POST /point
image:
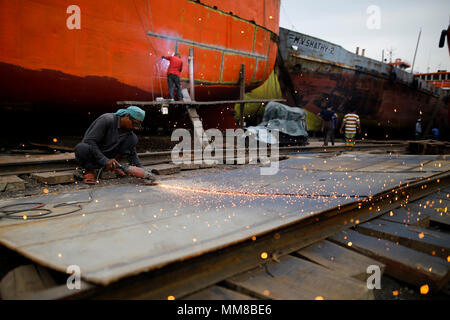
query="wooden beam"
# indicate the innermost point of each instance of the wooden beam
(297, 279)
(402, 263)
(11, 183)
(25, 280)
(54, 177)
(417, 238)
(340, 259)
(218, 293)
(164, 169)
(402, 215)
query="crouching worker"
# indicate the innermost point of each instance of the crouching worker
(108, 139)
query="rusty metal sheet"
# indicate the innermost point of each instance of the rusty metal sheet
(130, 229)
(120, 238)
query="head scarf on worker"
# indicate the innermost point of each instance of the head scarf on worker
(134, 112)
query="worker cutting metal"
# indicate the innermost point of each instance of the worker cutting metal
(109, 139)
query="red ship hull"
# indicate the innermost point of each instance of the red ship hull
(83, 59)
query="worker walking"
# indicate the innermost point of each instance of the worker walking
(328, 117)
(418, 132)
(352, 125)
(109, 138)
(173, 74)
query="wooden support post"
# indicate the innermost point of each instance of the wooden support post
(197, 126)
(242, 95)
(191, 73)
(192, 110)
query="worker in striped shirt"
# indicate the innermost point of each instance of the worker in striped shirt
(352, 125)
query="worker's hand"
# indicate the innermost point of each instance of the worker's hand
(111, 164)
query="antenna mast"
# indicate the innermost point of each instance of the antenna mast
(415, 52)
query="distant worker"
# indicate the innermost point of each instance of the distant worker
(173, 74)
(109, 138)
(435, 132)
(418, 129)
(352, 125)
(327, 116)
(334, 119)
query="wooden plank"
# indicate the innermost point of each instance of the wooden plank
(421, 211)
(25, 280)
(340, 259)
(403, 263)
(164, 169)
(297, 279)
(417, 238)
(54, 177)
(436, 202)
(217, 293)
(11, 183)
(429, 209)
(441, 221)
(403, 215)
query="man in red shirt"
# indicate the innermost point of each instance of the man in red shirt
(173, 74)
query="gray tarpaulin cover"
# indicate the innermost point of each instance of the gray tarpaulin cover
(277, 116)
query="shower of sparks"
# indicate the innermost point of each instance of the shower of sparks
(251, 194)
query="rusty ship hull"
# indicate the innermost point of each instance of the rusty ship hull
(388, 99)
(81, 57)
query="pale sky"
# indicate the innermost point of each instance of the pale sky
(376, 25)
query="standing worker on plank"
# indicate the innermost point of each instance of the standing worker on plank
(109, 138)
(352, 125)
(173, 74)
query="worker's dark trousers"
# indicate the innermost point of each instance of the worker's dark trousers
(174, 80)
(328, 136)
(86, 157)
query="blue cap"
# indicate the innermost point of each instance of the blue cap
(134, 112)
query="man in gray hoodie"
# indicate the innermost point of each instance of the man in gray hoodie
(109, 138)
